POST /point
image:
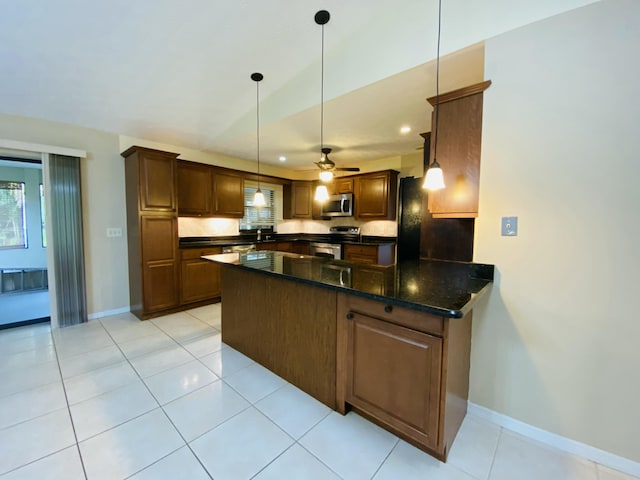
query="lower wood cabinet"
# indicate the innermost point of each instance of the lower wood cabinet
(383, 254)
(405, 370)
(277, 246)
(199, 279)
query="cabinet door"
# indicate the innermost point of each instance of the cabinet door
(459, 138)
(159, 262)
(194, 189)
(228, 191)
(301, 199)
(200, 280)
(342, 185)
(394, 373)
(157, 187)
(376, 195)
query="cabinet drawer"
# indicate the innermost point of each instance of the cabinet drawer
(420, 321)
(367, 250)
(189, 253)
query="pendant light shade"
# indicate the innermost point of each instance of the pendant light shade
(326, 176)
(258, 198)
(434, 180)
(322, 194)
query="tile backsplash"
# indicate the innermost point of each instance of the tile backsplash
(220, 227)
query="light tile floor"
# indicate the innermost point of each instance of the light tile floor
(165, 399)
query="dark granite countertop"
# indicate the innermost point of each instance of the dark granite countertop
(448, 289)
(200, 242)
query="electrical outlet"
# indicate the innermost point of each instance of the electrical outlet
(114, 232)
(509, 226)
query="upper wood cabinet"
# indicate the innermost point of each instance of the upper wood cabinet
(154, 178)
(298, 200)
(341, 185)
(206, 191)
(228, 191)
(194, 189)
(375, 195)
(459, 136)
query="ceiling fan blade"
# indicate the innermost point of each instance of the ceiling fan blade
(347, 169)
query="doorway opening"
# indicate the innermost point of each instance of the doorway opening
(24, 286)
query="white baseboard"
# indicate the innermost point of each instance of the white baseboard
(107, 313)
(557, 441)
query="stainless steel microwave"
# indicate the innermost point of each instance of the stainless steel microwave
(338, 206)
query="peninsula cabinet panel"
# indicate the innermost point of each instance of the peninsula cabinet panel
(194, 189)
(393, 373)
(404, 369)
(375, 195)
(286, 326)
(459, 137)
(228, 189)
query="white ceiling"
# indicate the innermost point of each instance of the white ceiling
(177, 72)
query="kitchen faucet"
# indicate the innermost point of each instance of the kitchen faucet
(259, 237)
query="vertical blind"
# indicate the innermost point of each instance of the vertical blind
(68, 247)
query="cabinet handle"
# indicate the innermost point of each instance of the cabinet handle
(388, 308)
(349, 316)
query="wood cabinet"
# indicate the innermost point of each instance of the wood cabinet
(199, 279)
(194, 189)
(298, 199)
(302, 247)
(228, 194)
(459, 137)
(375, 195)
(341, 185)
(383, 254)
(206, 191)
(406, 370)
(374, 279)
(276, 246)
(151, 203)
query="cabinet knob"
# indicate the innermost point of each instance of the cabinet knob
(388, 308)
(349, 316)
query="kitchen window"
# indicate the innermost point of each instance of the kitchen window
(263, 217)
(13, 225)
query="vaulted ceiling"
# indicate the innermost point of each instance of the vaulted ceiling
(178, 72)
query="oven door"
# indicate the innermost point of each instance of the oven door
(331, 250)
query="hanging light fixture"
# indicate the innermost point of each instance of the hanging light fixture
(322, 194)
(258, 198)
(434, 179)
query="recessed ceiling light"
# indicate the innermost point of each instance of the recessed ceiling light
(404, 130)
(282, 158)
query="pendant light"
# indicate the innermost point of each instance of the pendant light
(434, 179)
(258, 198)
(322, 18)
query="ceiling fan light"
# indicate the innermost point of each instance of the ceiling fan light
(322, 194)
(258, 199)
(326, 176)
(434, 180)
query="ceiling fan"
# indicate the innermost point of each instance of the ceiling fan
(327, 165)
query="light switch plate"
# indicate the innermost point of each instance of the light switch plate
(114, 232)
(509, 226)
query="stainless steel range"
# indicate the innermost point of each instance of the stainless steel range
(337, 235)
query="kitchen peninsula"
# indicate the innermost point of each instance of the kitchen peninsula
(392, 343)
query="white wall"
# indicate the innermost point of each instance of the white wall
(103, 203)
(34, 256)
(557, 343)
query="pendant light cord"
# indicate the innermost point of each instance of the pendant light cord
(322, 93)
(258, 128)
(435, 140)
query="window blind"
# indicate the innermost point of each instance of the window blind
(261, 217)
